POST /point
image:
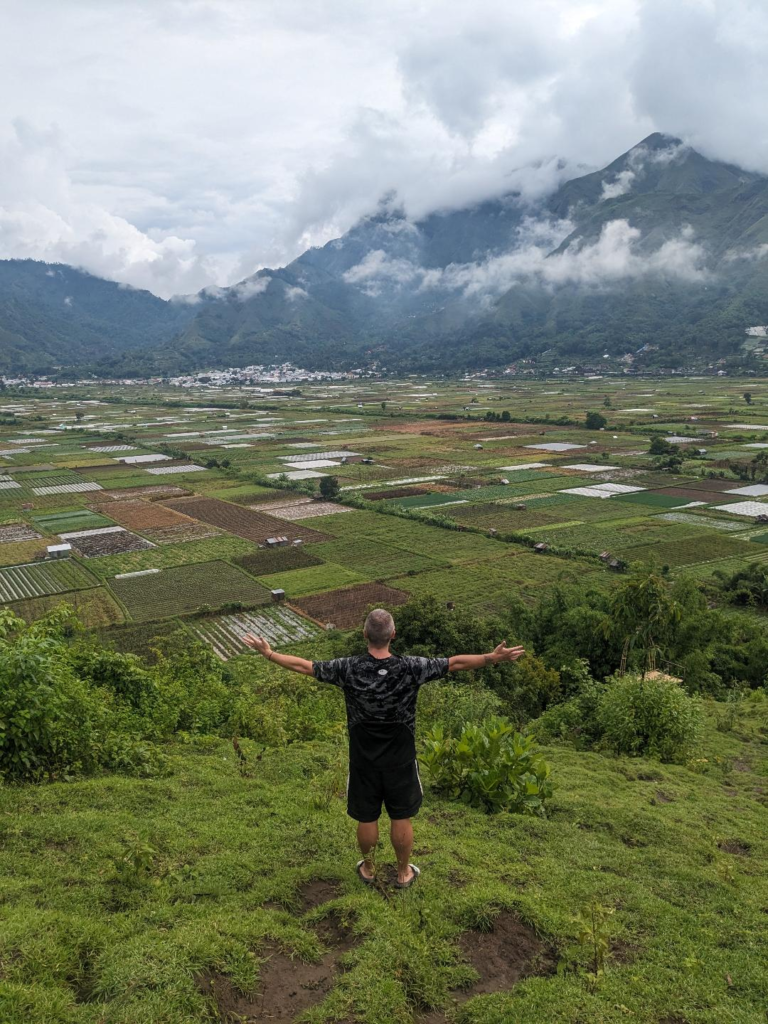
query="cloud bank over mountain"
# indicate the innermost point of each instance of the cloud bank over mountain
(183, 144)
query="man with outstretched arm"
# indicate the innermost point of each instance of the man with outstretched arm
(380, 690)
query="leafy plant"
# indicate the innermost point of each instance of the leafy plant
(651, 716)
(594, 934)
(489, 766)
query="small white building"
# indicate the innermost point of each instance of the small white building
(58, 550)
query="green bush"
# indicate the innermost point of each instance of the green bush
(490, 766)
(52, 722)
(650, 716)
(453, 705)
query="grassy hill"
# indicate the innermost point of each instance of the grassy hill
(148, 900)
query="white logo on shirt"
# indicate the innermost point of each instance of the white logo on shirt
(382, 672)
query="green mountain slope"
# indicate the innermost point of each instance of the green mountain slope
(53, 315)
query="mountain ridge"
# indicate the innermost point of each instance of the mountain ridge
(662, 250)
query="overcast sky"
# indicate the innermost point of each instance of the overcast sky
(174, 144)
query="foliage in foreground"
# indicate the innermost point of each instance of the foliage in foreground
(637, 716)
(490, 766)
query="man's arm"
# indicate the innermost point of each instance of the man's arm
(288, 661)
(467, 662)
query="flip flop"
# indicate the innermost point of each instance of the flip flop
(409, 883)
(365, 880)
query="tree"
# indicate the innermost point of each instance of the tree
(383, 406)
(595, 421)
(506, 416)
(660, 446)
(329, 487)
(748, 397)
(643, 614)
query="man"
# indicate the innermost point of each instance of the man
(380, 689)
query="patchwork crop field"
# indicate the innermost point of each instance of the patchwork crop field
(441, 495)
(183, 589)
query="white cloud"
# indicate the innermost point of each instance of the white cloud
(178, 144)
(616, 255)
(293, 292)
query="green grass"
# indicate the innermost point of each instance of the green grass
(79, 946)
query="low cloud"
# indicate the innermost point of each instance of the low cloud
(616, 255)
(638, 161)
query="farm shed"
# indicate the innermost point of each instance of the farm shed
(58, 550)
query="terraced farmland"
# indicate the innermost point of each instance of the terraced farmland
(279, 625)
(40, 579)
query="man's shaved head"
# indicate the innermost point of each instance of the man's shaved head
(379, 628)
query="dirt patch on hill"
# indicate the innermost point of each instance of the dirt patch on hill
(317, 892)
(735, 846)
(287, 986)
(502, 957)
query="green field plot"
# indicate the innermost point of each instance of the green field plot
(728, 566)
(23, 551)
(613, 535)
(313, 580)
(247, 494)
(140, 637)
(39, 579)
(95, 608)
(279, 625)
(652, 498)
(267, 561)
(172, 554)
(693, 519)
(409, 535)
(70, 520)
(183, 589)
(373, 559)
(485, 587)
(761, 538)
(687, 552)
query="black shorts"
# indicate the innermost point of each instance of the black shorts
(399, 789)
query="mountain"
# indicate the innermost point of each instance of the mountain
(53, 315)
(663, 255)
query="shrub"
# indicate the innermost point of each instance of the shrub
(490, 766)
(576, 720)
(454, 705)
(650, 716)
(52, 722)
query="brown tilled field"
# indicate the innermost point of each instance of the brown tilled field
(136, 514)
(96, 545)
(14, 533)
(345, 608)
(242, 522)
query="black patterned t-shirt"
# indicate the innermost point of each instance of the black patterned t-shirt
(380, 694)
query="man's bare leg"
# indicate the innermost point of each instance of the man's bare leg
(367, 837)
(401, 834)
